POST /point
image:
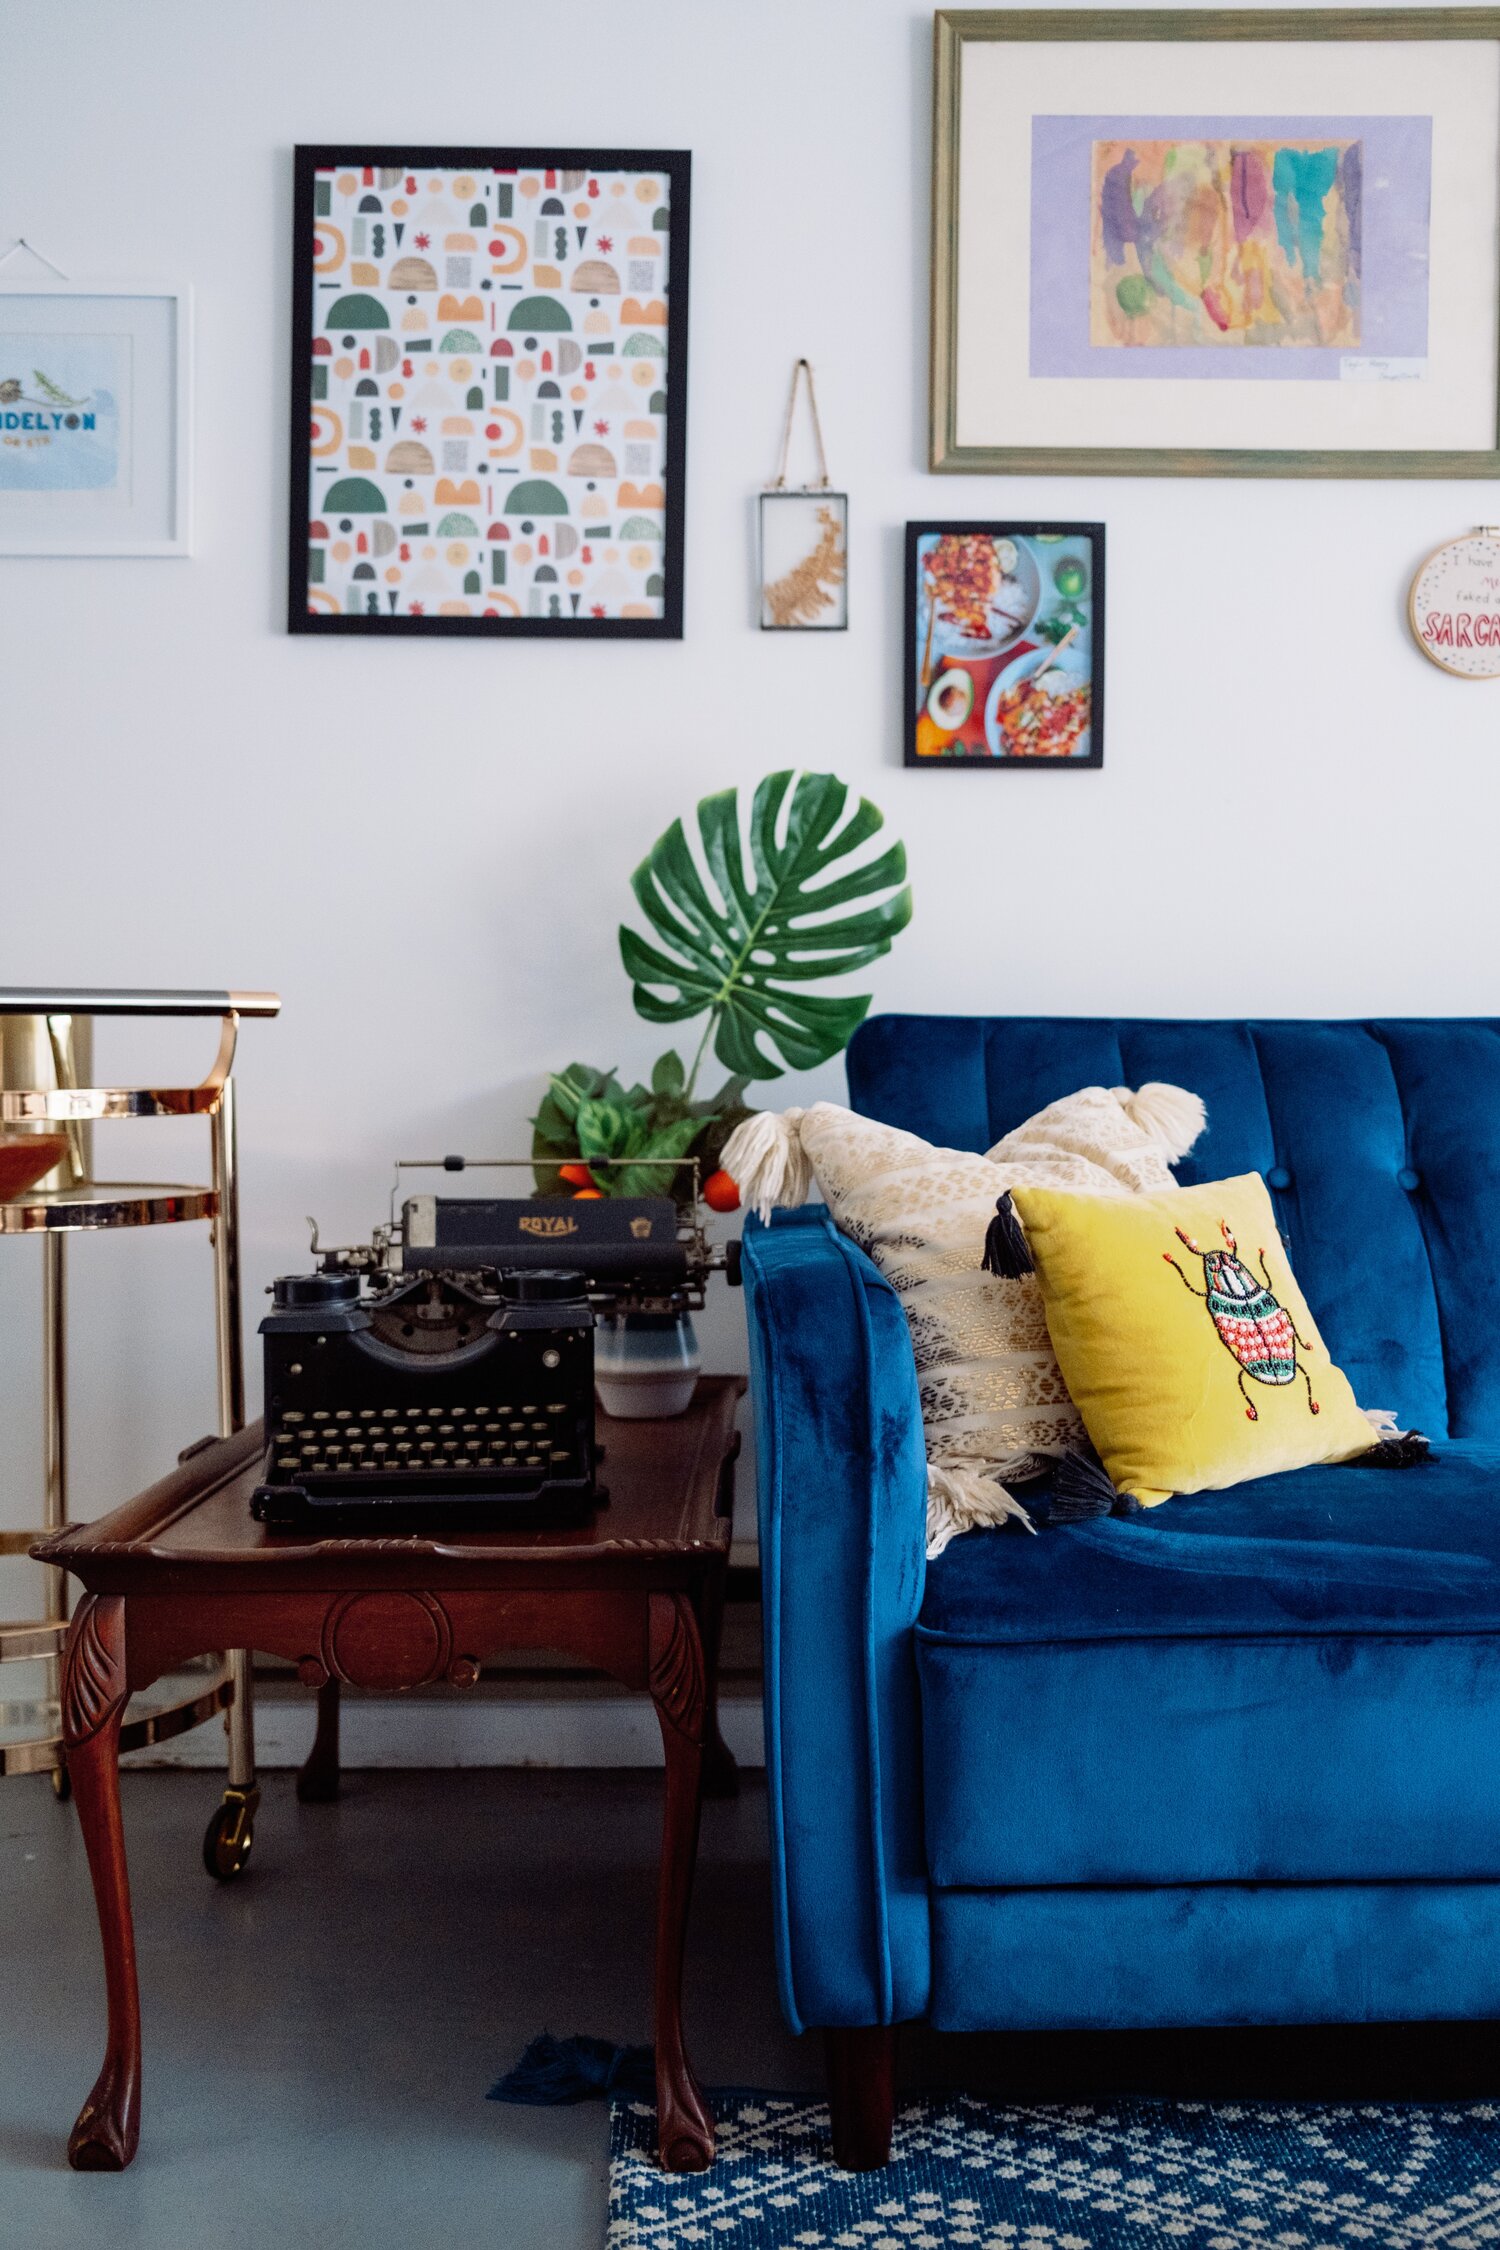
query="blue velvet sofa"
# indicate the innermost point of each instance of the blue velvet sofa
(1232, 1761)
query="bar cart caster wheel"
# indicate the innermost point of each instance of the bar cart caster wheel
(230, 1834)
(62, 1787)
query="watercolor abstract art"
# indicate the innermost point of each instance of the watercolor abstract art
(1226, 242)
(1183, 247)
(1005, 644)
(1214, 242)
(489, 392)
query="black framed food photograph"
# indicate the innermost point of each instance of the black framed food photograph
(1257, 242)
(1004, 645)
(489, 391)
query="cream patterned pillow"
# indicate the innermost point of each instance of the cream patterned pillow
(993, 1398)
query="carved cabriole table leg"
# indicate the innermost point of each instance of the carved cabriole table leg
(685, 2131)
(94, 1692)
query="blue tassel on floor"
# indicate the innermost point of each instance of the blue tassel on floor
(556, 2072)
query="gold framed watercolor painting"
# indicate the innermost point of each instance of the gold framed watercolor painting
(1217, 243)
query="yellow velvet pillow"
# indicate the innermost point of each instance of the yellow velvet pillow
(1185, 1343)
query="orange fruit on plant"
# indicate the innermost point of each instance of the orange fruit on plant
(588, 1195)
(576, 1175)
(720, 1192)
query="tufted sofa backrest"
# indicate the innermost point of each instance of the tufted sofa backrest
(1380, 1143)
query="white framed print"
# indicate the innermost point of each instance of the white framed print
(95, 419)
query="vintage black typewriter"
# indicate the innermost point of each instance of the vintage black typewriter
(443, 1374)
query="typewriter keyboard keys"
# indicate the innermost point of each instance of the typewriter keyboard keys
(390, 1413)
(320, 1414)
(291, 1415)
(427, 1446)
(403, 1445)
(342, 1414)
(367, 1413)
(380, 1446)
(557, 1408)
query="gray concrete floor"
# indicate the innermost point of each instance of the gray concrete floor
(320, 2036)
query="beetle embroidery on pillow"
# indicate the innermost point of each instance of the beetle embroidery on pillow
(1252, 1324)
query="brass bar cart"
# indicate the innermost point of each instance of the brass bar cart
(46, 1089)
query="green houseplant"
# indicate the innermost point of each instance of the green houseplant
(736, 940)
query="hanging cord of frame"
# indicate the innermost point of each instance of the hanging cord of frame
(778, 482)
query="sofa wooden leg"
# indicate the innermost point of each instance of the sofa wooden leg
(861, 2094)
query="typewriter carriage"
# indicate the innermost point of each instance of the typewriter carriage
(447, 1365)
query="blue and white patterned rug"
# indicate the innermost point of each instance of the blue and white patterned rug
(1195, 2175)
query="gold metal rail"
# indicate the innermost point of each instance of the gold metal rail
(46, 1064)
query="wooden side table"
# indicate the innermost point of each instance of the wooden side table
(638, 1591)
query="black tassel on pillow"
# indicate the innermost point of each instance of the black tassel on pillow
(1005, 1252)
(1407, 1449)
(1081, 1488)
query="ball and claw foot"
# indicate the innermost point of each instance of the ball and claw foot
(230, 1834)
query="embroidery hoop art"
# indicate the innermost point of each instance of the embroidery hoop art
(789, 577)
(1451, 575)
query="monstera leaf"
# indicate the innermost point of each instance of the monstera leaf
(745, 950)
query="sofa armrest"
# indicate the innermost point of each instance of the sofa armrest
(843, 1521)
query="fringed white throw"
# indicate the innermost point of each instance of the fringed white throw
(994, 1404)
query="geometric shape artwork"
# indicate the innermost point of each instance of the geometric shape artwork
(1004, 644)
(470, 453)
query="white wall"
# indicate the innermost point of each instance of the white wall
(425, 846)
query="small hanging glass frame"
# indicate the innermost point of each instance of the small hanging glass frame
(804, 540)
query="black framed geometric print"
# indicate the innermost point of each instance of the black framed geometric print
(489, 391)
